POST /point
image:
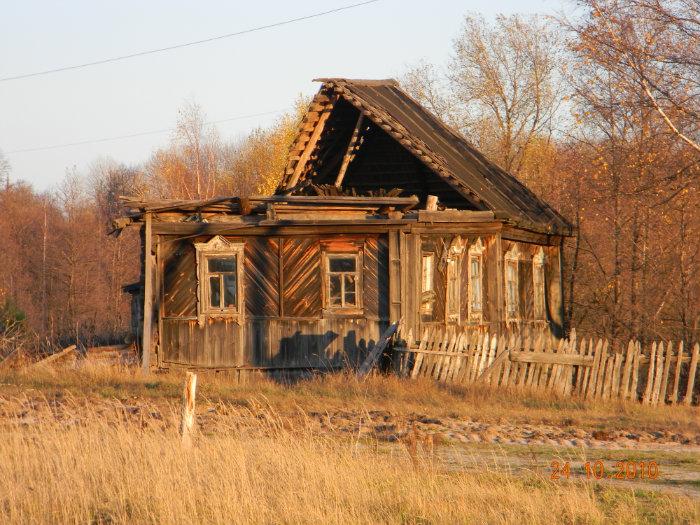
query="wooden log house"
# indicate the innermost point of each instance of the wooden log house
(383, 213)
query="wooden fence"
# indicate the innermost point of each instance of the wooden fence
(588, 368)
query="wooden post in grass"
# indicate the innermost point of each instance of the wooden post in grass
(188, 416)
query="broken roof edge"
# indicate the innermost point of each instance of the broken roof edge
(361, 81)
(160, 205)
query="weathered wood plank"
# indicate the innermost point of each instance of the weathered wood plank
(646, 398)
(677, 375)
(633, 395)
(376, 352)
(658, 369)
(147, 333)
(551, 358)
(602, 371)
(691, 375)
(667, 370)
(627, 371)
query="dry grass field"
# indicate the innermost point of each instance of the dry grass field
(101, 446)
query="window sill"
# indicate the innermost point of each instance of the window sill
(347, 313)
(234, 316)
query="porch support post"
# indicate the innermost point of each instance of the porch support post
(147, 333)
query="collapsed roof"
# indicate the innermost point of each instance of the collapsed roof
(369, 135)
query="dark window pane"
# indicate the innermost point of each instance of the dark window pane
(215, 292)
(222, 264)
(342, 264)
(350, 290)
(229, 290)
(334, 290)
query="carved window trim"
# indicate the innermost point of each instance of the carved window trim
(539, 290)
(511, 281)
(475, 303)
(218, 246)
(453, 262)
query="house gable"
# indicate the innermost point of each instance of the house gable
(368, 136)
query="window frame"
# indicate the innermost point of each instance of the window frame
(539, 289)
(476, 252)
(512, 259)
(219, 247)
(356, 310)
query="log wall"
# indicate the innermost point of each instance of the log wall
(284, 325)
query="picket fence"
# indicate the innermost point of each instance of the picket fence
(584, 367)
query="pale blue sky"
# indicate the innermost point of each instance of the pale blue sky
(253, 73)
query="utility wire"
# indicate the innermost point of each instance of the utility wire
(187, 44)
(140, 134)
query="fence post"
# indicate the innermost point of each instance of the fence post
(188, 415)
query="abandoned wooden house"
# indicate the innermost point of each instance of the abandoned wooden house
(383, 213)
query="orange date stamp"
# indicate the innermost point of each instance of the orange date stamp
(626, 470)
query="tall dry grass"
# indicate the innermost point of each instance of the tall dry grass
(378, 392)
(102, 468)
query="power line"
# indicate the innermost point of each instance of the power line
(139, 134)
(187, 44)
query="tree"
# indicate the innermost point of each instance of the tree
(650, 48)
(191, 166)
(641, 194)
(260, 158)
(503, 89)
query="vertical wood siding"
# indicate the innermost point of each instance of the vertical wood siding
(299, 338)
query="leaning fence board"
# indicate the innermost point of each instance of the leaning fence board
(418, 359)
(593, 377)
(658, 371)
(600, 379)
(626, 371)
(677, 375)
(691, 375)
(664, 377)
(377, 351)
(646, 399)
(507, 365)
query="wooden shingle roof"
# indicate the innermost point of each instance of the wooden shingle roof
(441, 149)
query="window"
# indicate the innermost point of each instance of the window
(343, 282)
(220, 291)
(511, 282)
(221, 274)
(538, 286)
(427, 299)
(476, 270)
